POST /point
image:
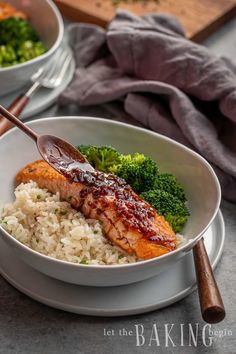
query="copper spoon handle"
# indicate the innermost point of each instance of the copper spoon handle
(18, 123)
(211, 303)
(16, 107)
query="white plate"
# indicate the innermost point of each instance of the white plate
(148, 295)
(43, 98)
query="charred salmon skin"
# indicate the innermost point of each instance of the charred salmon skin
(127, 220)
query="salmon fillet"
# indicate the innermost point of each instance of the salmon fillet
(127, 220)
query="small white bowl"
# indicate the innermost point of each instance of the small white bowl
(198, 178)
(46, 19)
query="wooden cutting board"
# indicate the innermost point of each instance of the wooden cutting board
(199, 17)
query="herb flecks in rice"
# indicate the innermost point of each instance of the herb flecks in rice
(41, 221)
(52, 227)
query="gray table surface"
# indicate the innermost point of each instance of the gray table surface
(27, 326)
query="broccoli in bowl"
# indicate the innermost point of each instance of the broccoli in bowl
(161, 190)
(19, 42)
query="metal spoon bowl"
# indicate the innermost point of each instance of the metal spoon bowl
(58, 153)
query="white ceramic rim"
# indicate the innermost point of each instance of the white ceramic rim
(186, 247)
(51, 50)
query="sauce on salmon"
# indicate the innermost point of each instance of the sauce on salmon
(129, 221)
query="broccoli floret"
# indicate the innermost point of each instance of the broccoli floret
(19, 42)
(14, 31)
(168, 183)
(84, 149)
(7, 55)
(162, 191)
(138, 170)
(102, 158)
(173, 209)
(29, 50)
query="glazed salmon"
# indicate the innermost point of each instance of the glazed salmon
(127, 220)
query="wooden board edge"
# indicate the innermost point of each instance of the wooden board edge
(74, 13)
(215, 25)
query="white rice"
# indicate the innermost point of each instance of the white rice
(52, 227)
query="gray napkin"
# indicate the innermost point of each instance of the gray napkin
(166, 82)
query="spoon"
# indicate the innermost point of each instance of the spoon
(63, 157)
(59, 154)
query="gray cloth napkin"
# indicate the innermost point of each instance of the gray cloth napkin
(166, 82)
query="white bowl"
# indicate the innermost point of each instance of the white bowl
(198, 178)
(46, 19)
